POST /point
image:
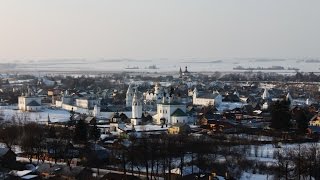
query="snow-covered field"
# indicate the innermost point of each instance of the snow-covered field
(55, 115)
(162, 65)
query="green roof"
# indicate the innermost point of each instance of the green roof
(178, 113)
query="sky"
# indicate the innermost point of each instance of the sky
(147, 29)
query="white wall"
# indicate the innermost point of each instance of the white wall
(165, 111)
(24, 100)
(86, 103)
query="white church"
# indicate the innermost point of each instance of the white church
(214, 98)
(29, 102)
(157, 95)
(168, 112)
(171, 112)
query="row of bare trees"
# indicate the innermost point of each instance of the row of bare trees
(298, 162)
(30, 138)
(157, 155)
(41, 141)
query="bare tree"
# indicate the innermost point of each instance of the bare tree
(9, 135)
(284, 163)
(32, 141)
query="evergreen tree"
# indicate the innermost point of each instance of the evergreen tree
(81, 132)
(71, 114)
(94, 132)
(280, 115)
(52, 132)
(71, 118)
(302, 121)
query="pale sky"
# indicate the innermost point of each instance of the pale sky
(142, 29)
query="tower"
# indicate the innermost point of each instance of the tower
(29, 91)
(288, 97)
(66, 93)
(96, 111)
(158, 94)
(136, 107)
(265, 94)
(136, 110)
(129, 96)
(180, 73)
(195, 94)
(157, 88)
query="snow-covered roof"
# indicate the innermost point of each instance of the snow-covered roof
(56, 115)
(31, 176)
(142, 128)
(179, 113)
(3, 151)
(33, 103)
(20, 173)
(186, 170)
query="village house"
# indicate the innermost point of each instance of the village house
(56, 171)
(315, 121)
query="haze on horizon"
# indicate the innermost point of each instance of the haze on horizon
(147, 29)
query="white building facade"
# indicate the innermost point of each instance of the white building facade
(136, 110)
(215, 99)
(158, 94)
(87, 103)
(170, 113)
(29, 103)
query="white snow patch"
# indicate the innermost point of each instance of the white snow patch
(250, 176)
(56, 115)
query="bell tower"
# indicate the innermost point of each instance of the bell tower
(129, 96)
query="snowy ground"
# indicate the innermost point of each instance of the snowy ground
(229, 106)
(16, 149)
(163, 64)
(55, 115)
(250, 176)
